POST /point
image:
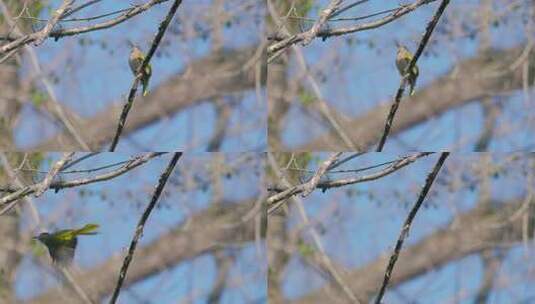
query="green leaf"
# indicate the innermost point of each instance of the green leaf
(306, 97)
(37, 97)
(306, 250)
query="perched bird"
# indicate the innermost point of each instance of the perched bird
(403, 58)
(61, 244)
(135, 60)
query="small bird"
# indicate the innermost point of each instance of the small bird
(403, 58)
(135, 60)
(62, 244)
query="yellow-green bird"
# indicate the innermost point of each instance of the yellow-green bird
(403, 58)
(62, 244)
(135, 60)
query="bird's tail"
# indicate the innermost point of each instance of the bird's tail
(87, 229)
(412, 84)
(145, 84)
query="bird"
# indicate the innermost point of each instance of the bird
(403, 58)
(62, 244)
(135, 61)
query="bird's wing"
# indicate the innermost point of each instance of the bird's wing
(148, 70)
(415, 71)
(64, 254)
(62, 235)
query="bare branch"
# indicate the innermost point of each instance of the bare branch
(41, 187)
(407, 225)
(45, 32)
(141, 224)
(313, 182)
(325, 14)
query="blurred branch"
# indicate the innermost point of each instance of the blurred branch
(219, 74)
(223, 112)
(75, 286)
(492, 260)
(491, 112)
(56, 109)
(223, 264)
(10, 172)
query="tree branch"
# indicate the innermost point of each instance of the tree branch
(141, 224)
(407, 225)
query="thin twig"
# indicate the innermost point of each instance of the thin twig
(79, 160)
(309, 186)
(408, 222)
(131, 96)
(428, 31)
(41, 187)
(45, 32)
(77, 288)
(345, 8)
(78, 8)
(325, 14)
(10, 172)
(141, 224)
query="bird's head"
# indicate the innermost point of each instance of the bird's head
(135, 49)
(402, 49)
(43, 237)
